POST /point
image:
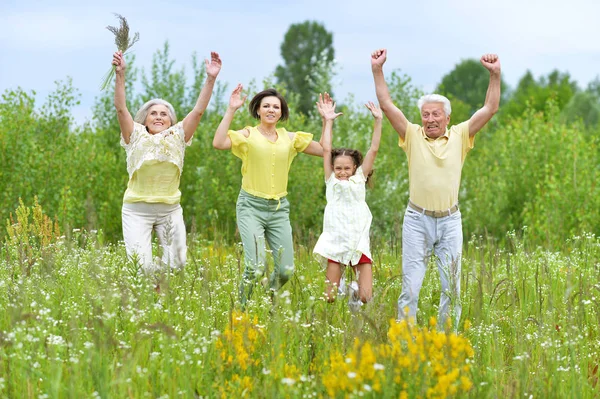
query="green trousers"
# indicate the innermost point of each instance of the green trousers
(261, 221)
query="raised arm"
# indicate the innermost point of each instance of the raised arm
(492, 98)
(326, 108)
(369, 160)
(123, 115)
(393, 113)
(191, 121)
(315, 148)
(221, 140)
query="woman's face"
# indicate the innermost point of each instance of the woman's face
(158, 119)
(269, 110)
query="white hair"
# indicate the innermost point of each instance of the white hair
(142, 114)
(435, 98)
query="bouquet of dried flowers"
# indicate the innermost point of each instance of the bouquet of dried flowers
(123, 42)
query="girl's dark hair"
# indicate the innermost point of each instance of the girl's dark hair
(356, 156)
(255, 104)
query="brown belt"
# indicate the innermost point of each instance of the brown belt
(435, 214)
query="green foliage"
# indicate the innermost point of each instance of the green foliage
(169, 84)
(534, 95)
(526, 170)
(533, 171)
(308, 53)
(84, 323)
(29, 235)
(468, 83)
(594, 88)
(43, 155)
(583, 106)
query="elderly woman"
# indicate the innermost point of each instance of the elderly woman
(155, 145)
(262, 210)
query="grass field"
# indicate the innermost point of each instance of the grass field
(79, 321)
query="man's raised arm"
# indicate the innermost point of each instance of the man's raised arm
(393, 113)
(491, 62)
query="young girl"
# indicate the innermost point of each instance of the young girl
(347, 219)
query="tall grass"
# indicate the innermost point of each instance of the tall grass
(79, 320)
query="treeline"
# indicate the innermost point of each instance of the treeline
(535, 165)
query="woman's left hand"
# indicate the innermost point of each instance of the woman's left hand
(214, 65)
(326, 107)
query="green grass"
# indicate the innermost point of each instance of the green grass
(78, 320)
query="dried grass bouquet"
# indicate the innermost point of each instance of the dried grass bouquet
(123, 42)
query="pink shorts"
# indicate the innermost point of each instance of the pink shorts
(363, 259)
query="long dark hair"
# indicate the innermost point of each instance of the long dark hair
(255, 103)
(356, 156)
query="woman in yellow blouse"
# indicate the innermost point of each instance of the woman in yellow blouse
(262, 210)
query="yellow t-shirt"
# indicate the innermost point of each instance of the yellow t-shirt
(154, 182)
(435, 165)
(266, 164)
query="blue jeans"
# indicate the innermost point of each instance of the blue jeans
(423, 235)
(260, 222)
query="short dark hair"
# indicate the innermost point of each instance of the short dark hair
(356, 156)
(255, 104)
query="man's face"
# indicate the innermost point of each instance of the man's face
(434, 119)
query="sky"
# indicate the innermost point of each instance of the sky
(42, 42)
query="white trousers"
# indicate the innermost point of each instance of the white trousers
(140, 219)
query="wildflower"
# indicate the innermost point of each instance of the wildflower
(467, 325)
(432, 322)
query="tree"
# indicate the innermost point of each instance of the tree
(594, 88)
(306, 47)
(583, 106)
(467, 82)
(531, 94)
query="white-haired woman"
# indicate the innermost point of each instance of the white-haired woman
(155, 145)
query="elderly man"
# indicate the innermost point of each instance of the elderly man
(436, 153)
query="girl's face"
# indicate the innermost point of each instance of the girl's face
(269, 110)
(158, 118)
(343, 167)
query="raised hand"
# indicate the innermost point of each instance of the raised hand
(378, 58)
(375, 110)
(491, 62)
(214, 65)
(119, 61)
(326, 107)
(236, 100)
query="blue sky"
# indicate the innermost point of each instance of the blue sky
(42, 42)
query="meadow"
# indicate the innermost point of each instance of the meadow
(81, 321)
(78, 320)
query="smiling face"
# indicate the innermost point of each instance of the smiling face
(269, 111)
(158, 119)
(344, 167)
(434, 119)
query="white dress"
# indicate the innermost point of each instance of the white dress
(346, 221)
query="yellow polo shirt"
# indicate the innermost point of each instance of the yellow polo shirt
(435, 165)
(266, 164)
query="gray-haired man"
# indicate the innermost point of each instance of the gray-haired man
(436, 153)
